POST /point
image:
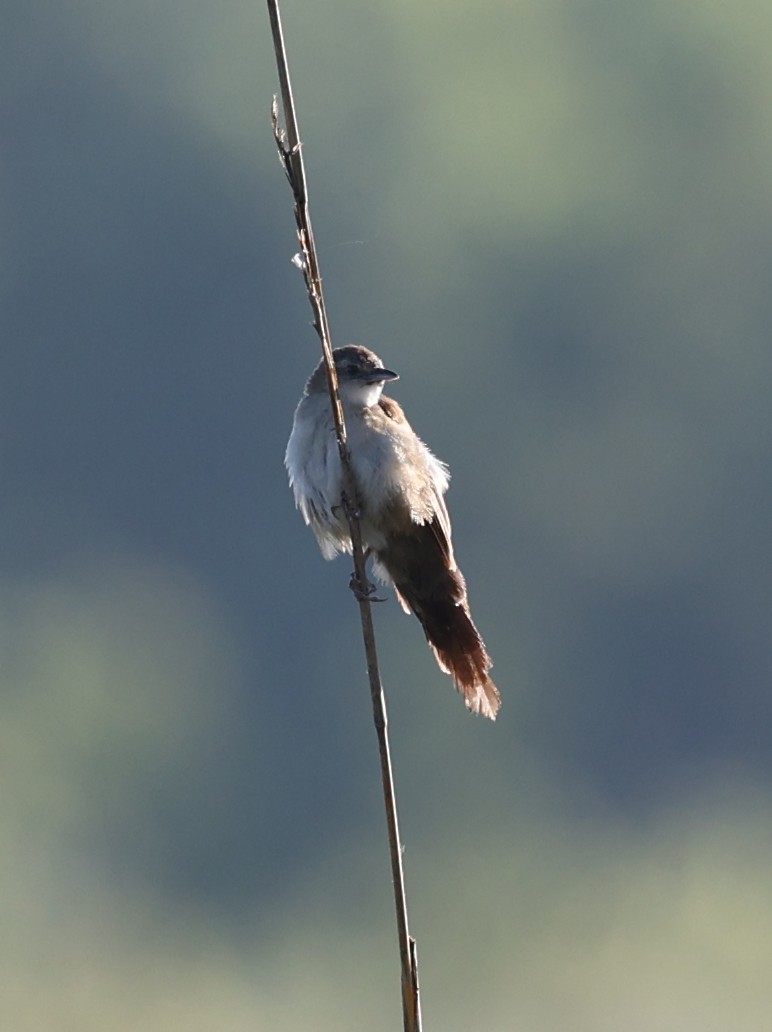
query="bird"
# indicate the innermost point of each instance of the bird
(400, 504)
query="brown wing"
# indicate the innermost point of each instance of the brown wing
(392, 409)
(429, 501)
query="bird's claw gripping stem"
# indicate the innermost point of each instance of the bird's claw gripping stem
(366, 593)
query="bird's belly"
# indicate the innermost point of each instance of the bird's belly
(316, 473)
(375, 465)
(376, 469)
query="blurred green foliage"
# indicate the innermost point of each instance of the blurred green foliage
(555, 221)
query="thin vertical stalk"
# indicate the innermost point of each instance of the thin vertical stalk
(291, 155)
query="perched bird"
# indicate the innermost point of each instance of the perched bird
(403, 517)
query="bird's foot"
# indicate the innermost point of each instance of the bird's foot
(364, 593)
(352, 510)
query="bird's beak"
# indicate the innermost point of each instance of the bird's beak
(380, 376)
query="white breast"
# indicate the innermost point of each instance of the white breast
(377, 459)
(314, 467)
(380, 459)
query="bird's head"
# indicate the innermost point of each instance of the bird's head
(361, 376)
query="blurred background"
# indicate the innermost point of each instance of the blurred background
(554, 219)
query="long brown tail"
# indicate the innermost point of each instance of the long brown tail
(437, 595)
(459, 649)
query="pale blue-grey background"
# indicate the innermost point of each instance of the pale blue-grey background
(555, 221)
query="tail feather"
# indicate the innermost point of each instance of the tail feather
(461, 652)
(436, 593)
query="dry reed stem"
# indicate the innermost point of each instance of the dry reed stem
(291, 155)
